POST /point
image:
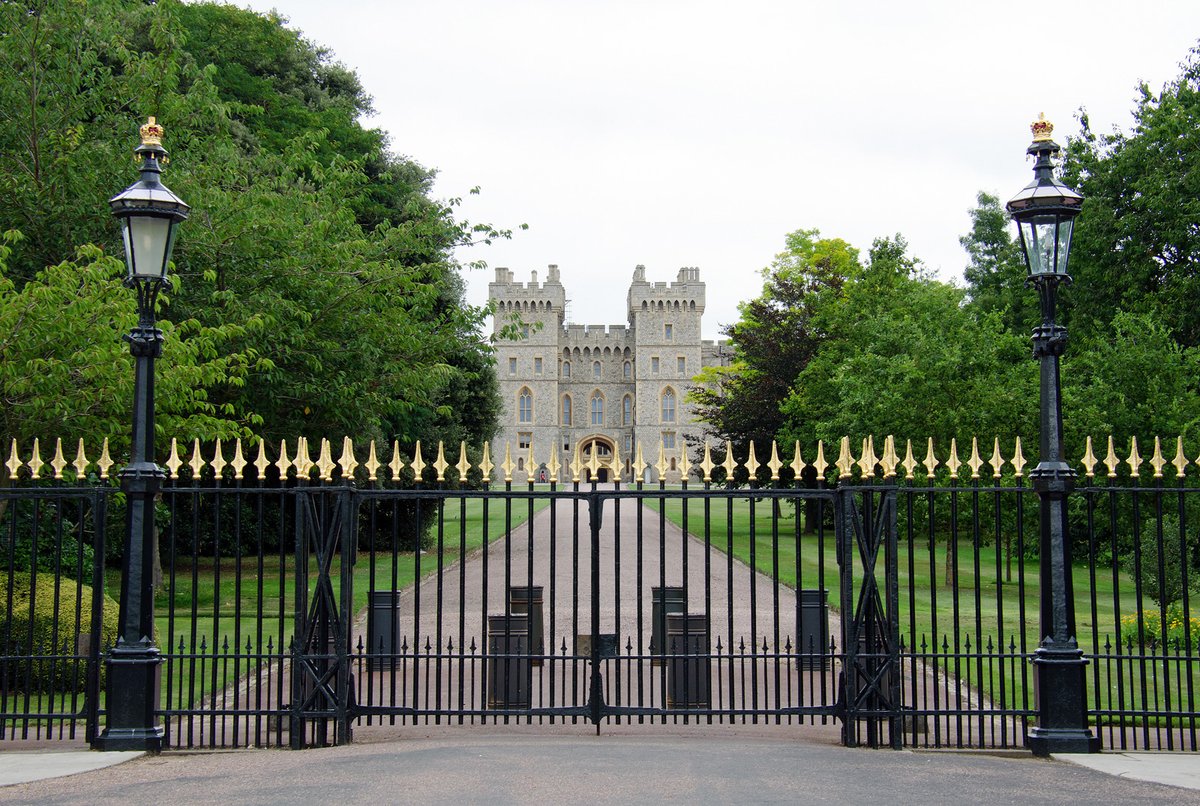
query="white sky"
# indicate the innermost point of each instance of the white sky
(697, 133)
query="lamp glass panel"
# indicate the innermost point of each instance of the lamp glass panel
(149, 237)
(1038, 235)
(1064, 243)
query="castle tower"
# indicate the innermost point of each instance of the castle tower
(527, 366)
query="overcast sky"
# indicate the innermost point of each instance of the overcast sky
(699, 133)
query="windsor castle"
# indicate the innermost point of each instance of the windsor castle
(598, 389)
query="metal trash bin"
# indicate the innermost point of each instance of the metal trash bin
(689, 676)
(509, 675)
(527, 601)
(663, 601)
(814, 629)
(383, 629)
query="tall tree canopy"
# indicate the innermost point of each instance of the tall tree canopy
(316, 291)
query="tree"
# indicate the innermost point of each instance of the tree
(996, 272)
(1137, 244)
(778, 334)
(315, 259)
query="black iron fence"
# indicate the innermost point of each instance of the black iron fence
(897, 607)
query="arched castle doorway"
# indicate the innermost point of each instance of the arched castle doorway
(603, 448)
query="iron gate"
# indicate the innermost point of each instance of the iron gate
(597, 610)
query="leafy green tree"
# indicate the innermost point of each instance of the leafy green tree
(778, 334)
(996, 272)
(315, 260)
(1137, 245)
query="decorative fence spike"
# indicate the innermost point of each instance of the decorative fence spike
(418, 464)
(615, 462)
(1135, 458)
(58, 462)
(530, 464)
(820, 464)
(507, 466)
(594, 461)
(931, 461)
(640, 464)
(953, 464)
(81, 460)
(1157, 461)
(577, 463)
(553, 465)
(1180, 461)
(372, 465)
(218, 461)
(105, 461)
(239, 461)
(14, 461)
(685, 461)
(975, 462)
(304, 463)
(173, 460)
(845, 462)
(730, 464)
(197, 461)
(485, 463)
(1111, 461)
(283, 463)
(35, 461)
(260, 463)
(1018, 460)
(663, 466)
(997, 461)
(1089, 460)
(868, 460)
(396, 465)
(752, 464)
(348, 463)
(910, 462)
(890, 459)
(797, 462)
(325, 463)
(774, 462)
(706, 464)
(440, 464)
(464, 464)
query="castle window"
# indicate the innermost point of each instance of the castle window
(524, 440)
(596, 370)
(669, 441)
(566, 410)
(525, 332)
(654, 365)
(521, 463)
(668, 332)
(668, 406)
(681, 365)
(628, 443)
(537, 366)
(627, 410)
(525, 406)
(628, 370)
(597, 408)
(566, 369)
(512, 366)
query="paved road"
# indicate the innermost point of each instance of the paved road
(525, 768)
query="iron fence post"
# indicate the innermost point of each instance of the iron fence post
(1060, 684)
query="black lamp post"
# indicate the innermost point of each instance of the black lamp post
(149, 214)
(1045, 212)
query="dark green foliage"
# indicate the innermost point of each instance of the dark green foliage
(61, 613)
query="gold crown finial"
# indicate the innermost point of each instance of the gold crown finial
(152, 133)
(1041, 128)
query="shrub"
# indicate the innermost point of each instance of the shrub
(21, 637)
(1151, 627)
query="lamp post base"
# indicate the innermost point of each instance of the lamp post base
(1059, 688)
(134, 682)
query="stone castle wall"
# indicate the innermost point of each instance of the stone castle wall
(569, 387)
